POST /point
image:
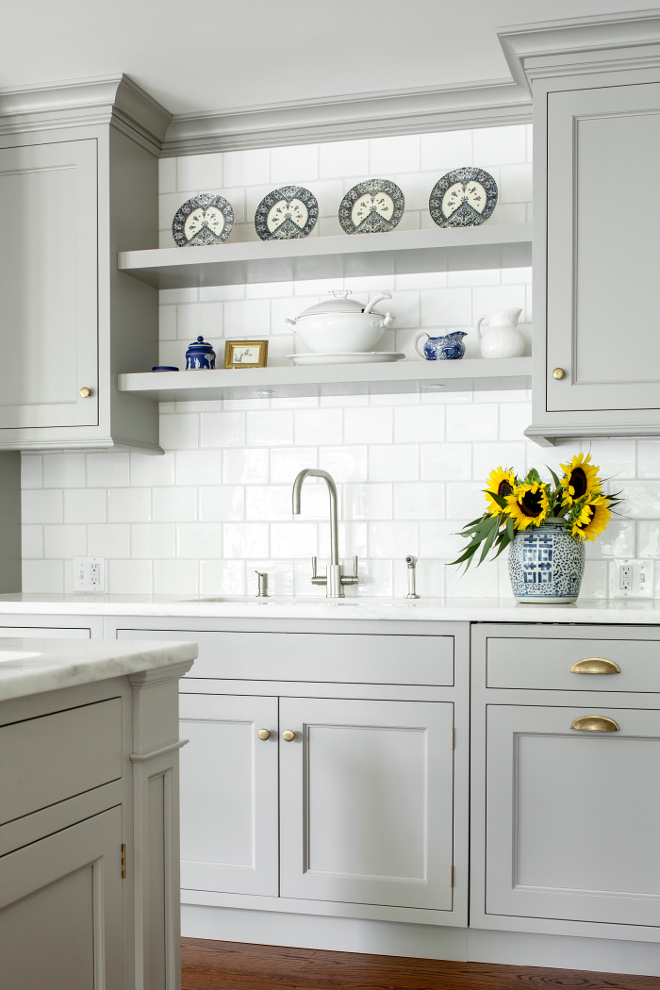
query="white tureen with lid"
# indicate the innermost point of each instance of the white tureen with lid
(340, 324)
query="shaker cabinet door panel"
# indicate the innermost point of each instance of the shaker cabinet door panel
(228, 790)
(61, 912)
(572, 815)
(49, 285)
(603, 249)
(367, 802)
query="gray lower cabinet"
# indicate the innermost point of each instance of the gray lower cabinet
(359, 794)
(327, 782)
(566, 749)
(596, 255)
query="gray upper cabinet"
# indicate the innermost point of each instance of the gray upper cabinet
(596, 365)
(49, 286)
(78, 179)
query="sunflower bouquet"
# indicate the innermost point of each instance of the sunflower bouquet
(576, 501)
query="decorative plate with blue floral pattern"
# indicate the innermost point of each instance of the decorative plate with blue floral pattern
(464, 197)
(204, 219)
(291, 211)
(371, 207)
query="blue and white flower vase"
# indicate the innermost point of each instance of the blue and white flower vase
(546, 565)
(200, 354)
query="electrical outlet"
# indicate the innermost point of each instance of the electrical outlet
(89, 574)
(632, 578)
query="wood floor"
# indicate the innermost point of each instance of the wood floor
(209, 965)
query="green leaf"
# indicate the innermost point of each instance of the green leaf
(499, 499)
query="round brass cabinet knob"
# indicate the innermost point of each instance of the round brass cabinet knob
(85, 392)
(288, 735)
(559, 373)
(263, 734)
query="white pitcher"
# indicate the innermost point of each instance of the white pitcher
(499, 334)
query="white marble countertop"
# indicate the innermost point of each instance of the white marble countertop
(618, 611)
(31, 666)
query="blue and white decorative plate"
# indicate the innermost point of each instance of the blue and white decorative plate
(464, 197)
(291, 211)
(371, 207)
(204, 219)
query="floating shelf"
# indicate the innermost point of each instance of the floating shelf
(402, 252)
(337, 379)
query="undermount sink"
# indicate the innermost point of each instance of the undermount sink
(275, 600)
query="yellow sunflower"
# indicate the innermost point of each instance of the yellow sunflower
(580, 478)
(593, 519)
(527, 505)
(502, 483)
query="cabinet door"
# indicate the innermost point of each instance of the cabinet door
(48, 285)
(229, 794)
(367, 802)
(572, 816)
(61, 909)
(603, 249)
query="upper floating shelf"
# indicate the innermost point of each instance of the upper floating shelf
(401, 252)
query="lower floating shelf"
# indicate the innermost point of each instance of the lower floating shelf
(337, 379)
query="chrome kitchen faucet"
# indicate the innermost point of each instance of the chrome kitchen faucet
(334, 579)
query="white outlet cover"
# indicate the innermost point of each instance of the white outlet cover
(642, 578)
(88, 575)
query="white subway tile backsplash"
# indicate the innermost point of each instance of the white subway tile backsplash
(246, 318)
(152, 540)
(198, 467)
(130, 577)
(245, 466)
(197, 540)
(176, 504)
(107, 470)
(85, 505)
(367, 501)
(444, 308)
(286, 462)
(472, 422)
(199, 318)
(344, 463)
(269, 428)
(176, 577)
(341, 158)
(179, 431)
(32, 540)
(391, 463)
(223, 503)
(290, 166)
(246, 539)
(293, 539)
(200, 173)
(268, 502)
(247, 168)
(445, 151)
(41, 505)
(370, 425)
(500, 145)
(107, 540)
(445, 462)
(31, 470)
(64, 470)
(394, 154)
(147, 470)
(65, 541)
(129, 505)
(317, 427)
(43, 577)
(393, 539)
(419, 502)
(222, 577)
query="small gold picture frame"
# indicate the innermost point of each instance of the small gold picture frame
(246, 353)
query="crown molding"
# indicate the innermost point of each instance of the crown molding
(365, 115)
(581, 44)
(81, 102)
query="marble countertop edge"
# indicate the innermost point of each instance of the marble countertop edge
(35, 665)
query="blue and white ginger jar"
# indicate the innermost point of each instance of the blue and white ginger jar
(546, 565)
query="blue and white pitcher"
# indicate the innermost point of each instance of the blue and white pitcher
(447, 348)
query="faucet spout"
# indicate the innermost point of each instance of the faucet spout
(332, 490)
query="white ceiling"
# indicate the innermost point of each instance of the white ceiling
(216, 56)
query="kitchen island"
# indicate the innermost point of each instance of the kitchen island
(89, 869)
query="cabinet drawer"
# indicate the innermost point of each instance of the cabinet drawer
(572, 663)
(342, 657)
(48, 759)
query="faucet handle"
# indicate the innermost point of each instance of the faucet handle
(351, 578)
(315, 578)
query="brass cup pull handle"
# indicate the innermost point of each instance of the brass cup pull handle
(595, 665)
(263, 734)
(288, 735)
(594, 723)
(85, 392)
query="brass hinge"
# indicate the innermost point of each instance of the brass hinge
(123, 860)
(451, 880)
(453, 737)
